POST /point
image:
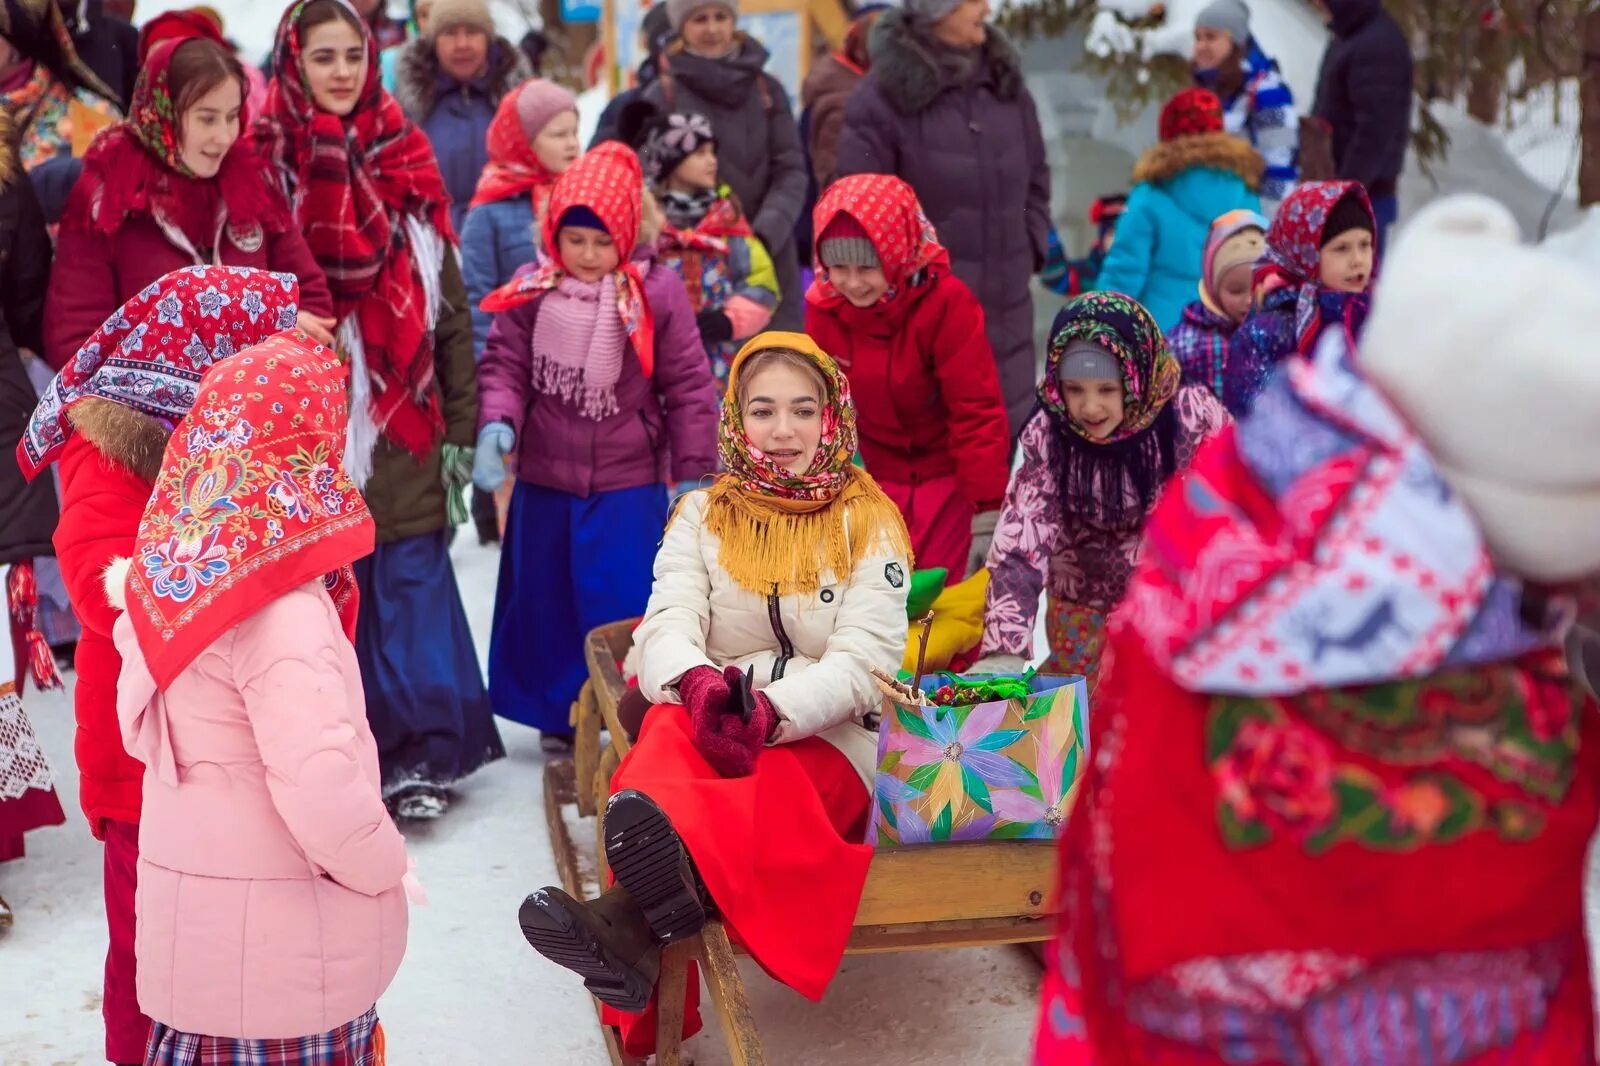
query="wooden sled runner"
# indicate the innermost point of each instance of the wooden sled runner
(941, 896)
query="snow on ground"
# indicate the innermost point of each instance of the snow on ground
(470, 989)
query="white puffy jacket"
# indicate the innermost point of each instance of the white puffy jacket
(812, 654)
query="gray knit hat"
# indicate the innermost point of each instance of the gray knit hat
(845, 243)
(678, 11)
(930, 11)
(1230, 16)
(1087, 361)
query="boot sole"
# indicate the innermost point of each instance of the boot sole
(647, 858)
(558, 927)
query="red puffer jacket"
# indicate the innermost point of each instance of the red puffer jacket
(926, 390)
(102, 499)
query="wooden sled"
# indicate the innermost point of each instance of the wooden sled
(943, 896)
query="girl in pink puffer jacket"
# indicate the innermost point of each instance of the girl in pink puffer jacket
(271, 907)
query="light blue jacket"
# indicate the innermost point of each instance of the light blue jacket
(1160, 239)
(497, 239)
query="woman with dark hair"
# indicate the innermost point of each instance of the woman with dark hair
(363, 184)
(172, 187)
(1256, 102)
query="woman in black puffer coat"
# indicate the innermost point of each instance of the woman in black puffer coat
(944, 108)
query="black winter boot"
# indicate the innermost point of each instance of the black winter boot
(485, 516)
(647, 858)
(605, 941)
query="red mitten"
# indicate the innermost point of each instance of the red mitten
(705, 697)
(737, 743)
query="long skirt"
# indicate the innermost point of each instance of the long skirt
(939, 520)
(355, 1043)
(780, 852)
(568, 565)
(1077, 637)
(27, 792)
(425, 697)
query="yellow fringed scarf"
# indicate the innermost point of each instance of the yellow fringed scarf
(770, 545)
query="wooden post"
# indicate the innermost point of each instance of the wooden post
(672, 990)
(1589, 110)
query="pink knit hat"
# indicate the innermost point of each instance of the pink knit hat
(539, 101)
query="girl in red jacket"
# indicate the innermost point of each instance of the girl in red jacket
(106, 419)
(909, 335)
(172, 187)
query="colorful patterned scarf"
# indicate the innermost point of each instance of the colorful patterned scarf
(1115, 481)
(40, 31)
(785, 533)
(150, 354)
(514, 169)
(355, 183)
(607, 181)
(136, 168)
(718, 222)
(251, 502)
(1321, 531)
(888, 209)
(1294, 255)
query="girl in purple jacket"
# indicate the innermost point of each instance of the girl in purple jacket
(595, 376)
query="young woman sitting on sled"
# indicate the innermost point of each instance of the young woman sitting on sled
(777, 591)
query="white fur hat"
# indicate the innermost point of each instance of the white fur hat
(1489, 348)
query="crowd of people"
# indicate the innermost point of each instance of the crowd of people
(741, 375)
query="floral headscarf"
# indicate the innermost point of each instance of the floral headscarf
(252, 501)
(1115, 480)
(888, 209)
(781, 533)
(150, 354)
(40, 32)
(136, 167)
(1294, 252)
(608, 181)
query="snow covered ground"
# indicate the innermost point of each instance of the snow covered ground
(470, 989)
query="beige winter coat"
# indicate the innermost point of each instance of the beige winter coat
(812, 655)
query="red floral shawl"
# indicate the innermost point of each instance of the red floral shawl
(251, 502)
(354, 180)
(135, 168)
(608, 181)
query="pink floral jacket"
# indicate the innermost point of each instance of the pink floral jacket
(1085, 563)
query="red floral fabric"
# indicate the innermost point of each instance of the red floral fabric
(514, 168)
(354, 180)
(149, 355)
(1294, 253)
(137, 168)
(888, 209)
(608, 181)
(251, 502)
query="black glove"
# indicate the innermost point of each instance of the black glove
(715, 327)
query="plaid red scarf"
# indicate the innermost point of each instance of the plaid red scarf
(354, 180)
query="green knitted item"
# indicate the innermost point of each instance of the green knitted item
(455, 470)
(926, 586)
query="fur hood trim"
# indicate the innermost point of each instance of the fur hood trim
(906, 68)
(10, 162)
(416, 80)
(1220, 151)
(125, 436)
(115, 579)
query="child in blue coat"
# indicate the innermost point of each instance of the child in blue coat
(1196, 173)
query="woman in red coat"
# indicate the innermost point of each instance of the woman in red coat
(172, 187)
(909, 335)
(106, 422)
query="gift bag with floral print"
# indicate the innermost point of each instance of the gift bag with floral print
(1001, 770)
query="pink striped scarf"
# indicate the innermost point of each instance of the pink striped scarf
(577, 345)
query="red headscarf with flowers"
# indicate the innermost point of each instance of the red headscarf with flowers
(149, 355)
(1294, 254)
(354, 181)
(608, 181)
(888, 209)
(136, 167)
(252, 501)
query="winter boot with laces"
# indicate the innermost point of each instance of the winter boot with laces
(647, 858)
(605, 941)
